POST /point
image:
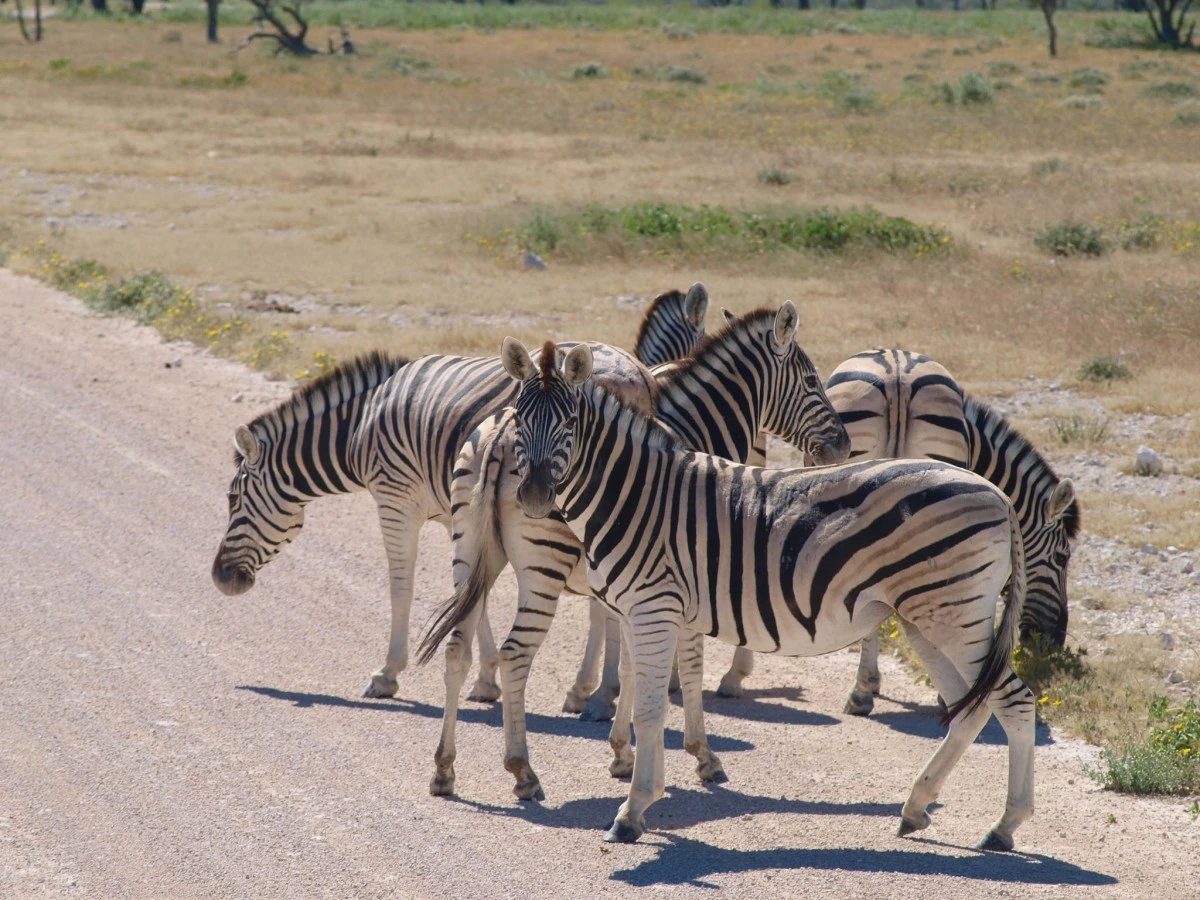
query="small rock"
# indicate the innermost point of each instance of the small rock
(1175, 677)
(1188, 568)
(1090, 603)
(1147, 463)
(175, 363)
(212, 154)
(533, 261)
(1149, 550)
(1166, 641)
(171, 227)
(237, 398)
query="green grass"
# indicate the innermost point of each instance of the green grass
(665, 228)
(1104, 368)
(971, 89)
(986, 29)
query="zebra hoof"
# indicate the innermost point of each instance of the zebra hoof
(996, 842)
(623, 833)
(484, 692)
(442, 783)
(529, 790)
(860, 704)
(730, 687)
(873, 686)
(621, 767)
(381, 686)
(908, 826)
(599, 709)
(575, 703)
(712, 772)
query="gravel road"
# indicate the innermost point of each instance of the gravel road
(160, 740)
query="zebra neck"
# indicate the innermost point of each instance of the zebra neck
(1003, 456)
(621, 459)
(713, 405)
(313, 444)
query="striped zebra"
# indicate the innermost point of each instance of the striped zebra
(899, 404)
(799, 562)
(390, 427)
(752, 376)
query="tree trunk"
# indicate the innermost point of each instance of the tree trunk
(1048, 7)
(137, 6)
(861, 4)
(100, 6)
(212, 20)
(803, 4)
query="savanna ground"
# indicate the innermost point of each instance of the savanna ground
(313, 208)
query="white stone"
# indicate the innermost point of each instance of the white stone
(1147, 463)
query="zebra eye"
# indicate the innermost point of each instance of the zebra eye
(812, 382)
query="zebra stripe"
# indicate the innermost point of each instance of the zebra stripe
(672, 326)
(749, 376)
(393, 428)
(834, 551)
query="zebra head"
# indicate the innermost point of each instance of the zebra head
(673, 326)
(263, 517)
(1048, 535)
(546, 409)
(796, 409)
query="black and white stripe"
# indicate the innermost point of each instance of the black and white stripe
(749, 377)
(799, 562)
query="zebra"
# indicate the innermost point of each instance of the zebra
(389, 426)
(750, 376)
(792, 561)
(672, 326)
(900, 404)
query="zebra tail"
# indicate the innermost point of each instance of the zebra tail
(482, 527)
(999, 657)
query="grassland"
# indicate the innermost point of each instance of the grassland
(319, 207)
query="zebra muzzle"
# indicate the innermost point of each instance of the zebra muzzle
(536, 493)
(231, 580)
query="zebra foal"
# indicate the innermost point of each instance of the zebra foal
(799, 562)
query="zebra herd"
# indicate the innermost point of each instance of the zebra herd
(592, 474)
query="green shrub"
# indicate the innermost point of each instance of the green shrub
(1050, 166)
(1003, 69)
(1042, 78)
(1104, 368)
(1088, 80)
(1144, 234)
(235, 79)
(145, 296)
(1038, 662)
(1167, 763)
(972, 89)
(1189, 116)
(1170, 90)
(683, 75)
(1076, 431)
(1072, 239)
(1085, 101)
(589, 70)
(774, 176)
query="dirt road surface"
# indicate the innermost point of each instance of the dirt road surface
(160, 740)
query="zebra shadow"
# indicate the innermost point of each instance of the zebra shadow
(684, 807)
(682, 861)
(750, 706)
(923, 720)
(491, 715)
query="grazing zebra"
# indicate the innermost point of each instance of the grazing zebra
(799, 562)
(390, 427)
(898, 404)
(750, 376)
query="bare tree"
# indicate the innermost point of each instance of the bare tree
(37, 22)
(1166, 18)
(212, 19)
(1049, 7)
(293, 37)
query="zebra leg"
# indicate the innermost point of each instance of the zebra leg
(620, 736)
(401, 535)
(1012, 702)
(731, 681)
(602, 705)
(588, 675)
(695, 738)
(538, 588)
(458, 663)
(486, 689)
(651, 640)
(866, 682)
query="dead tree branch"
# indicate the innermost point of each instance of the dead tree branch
(37, 22)
(292, 39)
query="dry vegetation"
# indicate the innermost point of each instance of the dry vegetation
(338, 204)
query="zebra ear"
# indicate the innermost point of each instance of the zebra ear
(729, 317)
(578, 366)
(695, 304)
(516, 360)
(247, 444)
(1060, 499)
(787, 320)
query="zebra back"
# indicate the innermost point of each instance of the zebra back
(672, 326)
(898, 404)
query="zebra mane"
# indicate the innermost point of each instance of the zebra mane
(358, 376)
(641, 426)
(997, 427)
(654, 310)
(739, 325)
